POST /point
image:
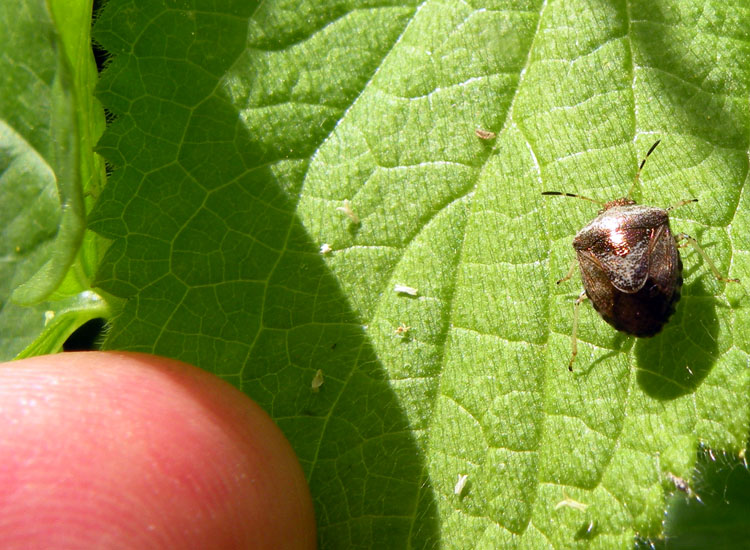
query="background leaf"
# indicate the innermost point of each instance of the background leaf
(242, 132)
(712, 512)
(49, 122)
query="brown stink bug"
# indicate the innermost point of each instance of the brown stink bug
(630, 264)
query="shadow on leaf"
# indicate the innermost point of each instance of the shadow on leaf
(675, 362)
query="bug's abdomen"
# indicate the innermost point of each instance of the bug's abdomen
(643, 313)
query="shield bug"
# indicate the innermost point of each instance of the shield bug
(630, 264)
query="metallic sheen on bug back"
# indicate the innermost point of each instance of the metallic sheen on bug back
(630, 266)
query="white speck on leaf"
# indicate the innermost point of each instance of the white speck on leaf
(317, 381)
(346, 208)
(460, 484)
(570, 503)
(403, 289)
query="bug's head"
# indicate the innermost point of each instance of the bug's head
(617, 202)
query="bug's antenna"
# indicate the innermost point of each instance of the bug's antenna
(638, 173)
(561, 194)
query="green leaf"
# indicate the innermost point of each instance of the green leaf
(60, 323)
(49, 122)
(709, 511)
(720, 511)
(285, 168)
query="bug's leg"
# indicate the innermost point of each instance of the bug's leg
(574, 334)
(691, 241)
(569, 274)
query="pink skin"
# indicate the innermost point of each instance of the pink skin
(124, 450)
